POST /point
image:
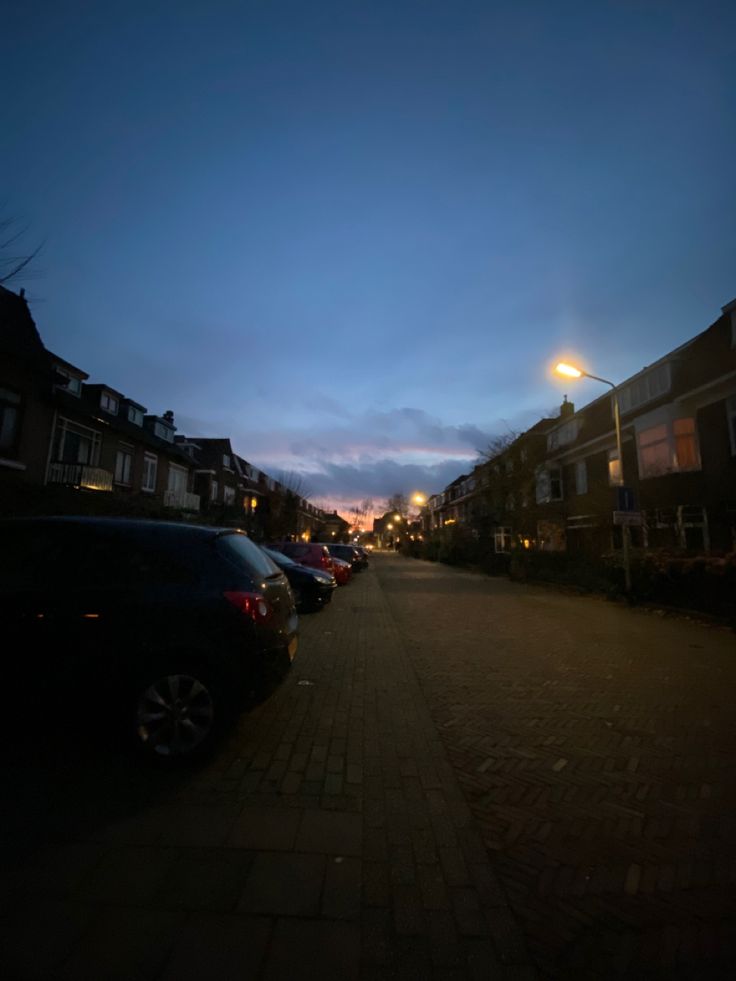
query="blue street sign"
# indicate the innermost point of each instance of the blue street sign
(625, 499)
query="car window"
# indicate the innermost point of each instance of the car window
(242, 552)
(297, 551)
(278, 557)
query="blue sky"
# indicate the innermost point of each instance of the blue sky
(353, 236)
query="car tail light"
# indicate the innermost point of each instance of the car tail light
(326, 561)
(253, 605)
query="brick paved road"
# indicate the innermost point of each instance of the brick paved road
(596, 747)
(328, 838)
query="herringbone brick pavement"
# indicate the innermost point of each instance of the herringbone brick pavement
(596, 747)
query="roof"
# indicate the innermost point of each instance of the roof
(18, 332)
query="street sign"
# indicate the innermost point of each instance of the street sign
(625, 499)
(629, 518)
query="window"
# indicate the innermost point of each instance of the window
(581, 477)
(228, 495)
(76, 444)
(9, 420)
(177, 480)
(669, 447)
(731, 413)
(123, 465)
(135, 415)
(646, 387)
(150, 471)
(214, 488)
(109, 403)
(226, 461)
(549, 484)
(71, 383)
(523, 454)
(614, 469)
(567, 433)
(163, 432)
(502, 539)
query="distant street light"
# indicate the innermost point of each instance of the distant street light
(419, 499)
(570, 371)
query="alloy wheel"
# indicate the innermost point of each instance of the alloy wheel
(175, 715)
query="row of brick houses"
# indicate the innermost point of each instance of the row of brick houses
(58, 431)
(557, 486)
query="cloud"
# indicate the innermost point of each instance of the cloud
(380, 479)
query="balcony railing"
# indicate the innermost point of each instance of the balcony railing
(181, 499)
(79, 475)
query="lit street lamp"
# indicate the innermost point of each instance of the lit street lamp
(570, 371)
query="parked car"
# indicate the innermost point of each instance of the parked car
(313, 554)
(166, 627)
(343, 571)
(348, 553)
(312, 588)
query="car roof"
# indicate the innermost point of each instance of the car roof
(133, 525)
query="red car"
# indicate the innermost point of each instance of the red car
(342, 571)
(306, 553)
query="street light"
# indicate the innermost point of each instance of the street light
(570, 371)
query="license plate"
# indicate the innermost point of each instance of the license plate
(293, 644)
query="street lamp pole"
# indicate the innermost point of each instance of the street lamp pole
(571, 372)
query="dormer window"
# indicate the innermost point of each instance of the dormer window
(135, 415)
(226, 461)
(71, 383)
(164, 432)
(567, 433)
(108, 403)
(648, 386)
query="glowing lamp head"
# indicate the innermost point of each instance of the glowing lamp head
(568, 370)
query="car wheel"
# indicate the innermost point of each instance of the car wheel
(177, 713)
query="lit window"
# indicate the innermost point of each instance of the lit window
(150, 470)
(614, 469)
(123, 466)
(502, 539)
(686, 447)
(668, 447)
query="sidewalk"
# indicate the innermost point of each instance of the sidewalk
(329, 838)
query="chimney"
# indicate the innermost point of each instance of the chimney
(567, 409)
(169, 416)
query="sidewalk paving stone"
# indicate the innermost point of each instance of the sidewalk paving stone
(284, 884)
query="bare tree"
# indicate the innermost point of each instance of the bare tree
(17, 260)
(399, 504)
(292, 480)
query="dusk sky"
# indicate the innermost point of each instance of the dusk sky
(354, 236)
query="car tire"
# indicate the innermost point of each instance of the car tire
(179, 710)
